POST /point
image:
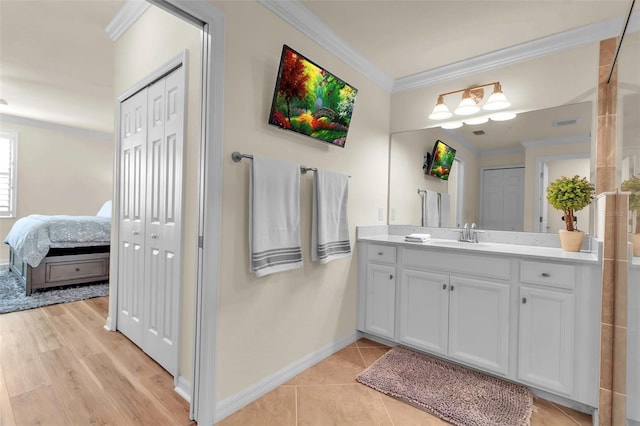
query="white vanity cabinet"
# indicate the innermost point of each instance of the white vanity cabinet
(380, 293)
(464, 318)
(424, 310)
(546, 325)
(479, 323)
(530, 319)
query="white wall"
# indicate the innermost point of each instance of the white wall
(154, 39)
(59, 172)
(266, 324)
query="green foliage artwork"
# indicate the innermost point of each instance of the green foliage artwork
(311, 100)
(570, 195)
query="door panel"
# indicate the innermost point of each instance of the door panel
(132, 226)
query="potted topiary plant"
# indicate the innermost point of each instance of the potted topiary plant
(633, 185)
(570, 195)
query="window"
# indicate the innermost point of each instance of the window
(8, 174)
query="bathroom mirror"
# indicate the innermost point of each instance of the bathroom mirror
(501, 170)
(628, 111)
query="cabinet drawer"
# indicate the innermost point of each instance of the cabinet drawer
(380, 253)
(550, 274)
(77, 270)
(485, 266)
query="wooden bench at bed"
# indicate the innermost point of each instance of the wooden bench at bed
(68, 266)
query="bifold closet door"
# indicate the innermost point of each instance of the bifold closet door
(133, 160)
(164, 199)
(150, 229)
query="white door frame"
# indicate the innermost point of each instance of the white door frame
(540, 191)
(210, 200)
(460, 191)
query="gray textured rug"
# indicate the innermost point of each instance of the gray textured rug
(456, 394)
(12, 296)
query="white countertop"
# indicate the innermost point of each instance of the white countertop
(547, 253)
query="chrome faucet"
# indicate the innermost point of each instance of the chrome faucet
(469, 234)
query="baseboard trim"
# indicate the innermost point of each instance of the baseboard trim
(108, 325)
(183, 388)
(269, 383)
(4, 262)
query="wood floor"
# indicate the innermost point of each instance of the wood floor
(58, 366)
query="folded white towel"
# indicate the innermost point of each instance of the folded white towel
(330, 227)
(431, 209)
(274, 218)
(417, 238)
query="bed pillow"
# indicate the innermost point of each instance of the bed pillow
(105, 210)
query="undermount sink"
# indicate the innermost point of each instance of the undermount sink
(456, 243)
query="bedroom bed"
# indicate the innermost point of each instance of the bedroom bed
(54, 251)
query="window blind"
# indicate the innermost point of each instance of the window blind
(8, 163)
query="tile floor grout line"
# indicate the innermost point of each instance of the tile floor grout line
(386, 409)
(557, 407)
(296, 400)
(362, 357)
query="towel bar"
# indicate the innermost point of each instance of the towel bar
(237, 157)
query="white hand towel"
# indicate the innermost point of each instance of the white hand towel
(445, 210)
(330, 227)
(274, 218)
(431, 209)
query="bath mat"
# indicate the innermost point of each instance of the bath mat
(456, 394)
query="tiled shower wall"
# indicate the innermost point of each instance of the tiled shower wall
(613, 329)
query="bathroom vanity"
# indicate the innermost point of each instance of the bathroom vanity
(526, 313)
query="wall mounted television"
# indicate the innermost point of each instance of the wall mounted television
(441, 160)
(310, 100)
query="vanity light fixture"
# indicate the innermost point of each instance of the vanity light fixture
(503, 116)
(451, 125)
(441, 111)
(476, 120)
(470, 103)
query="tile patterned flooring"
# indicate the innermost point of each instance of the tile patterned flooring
(327, 394)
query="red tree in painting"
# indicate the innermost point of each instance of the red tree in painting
(293, 80)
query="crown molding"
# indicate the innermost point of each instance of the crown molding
(296, 14)
(125, 18)
(8, 118)
(522, 52)
(557, 141)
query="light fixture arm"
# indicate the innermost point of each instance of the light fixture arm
(471, 88)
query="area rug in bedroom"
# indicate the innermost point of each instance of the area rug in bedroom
(456, 394)
(12, 296)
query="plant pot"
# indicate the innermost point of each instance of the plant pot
(635, 242)
(571, 240)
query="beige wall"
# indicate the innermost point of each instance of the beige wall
(59, 172)
(266, 324)
(154, 39)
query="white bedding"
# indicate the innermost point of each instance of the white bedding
(31, 237)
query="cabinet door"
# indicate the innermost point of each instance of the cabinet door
(479, 323)
(424, 310)
(546, 339)
(380, 300)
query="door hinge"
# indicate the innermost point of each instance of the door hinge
(200, 241)
(540, 219)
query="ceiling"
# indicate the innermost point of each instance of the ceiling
(57, 63)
